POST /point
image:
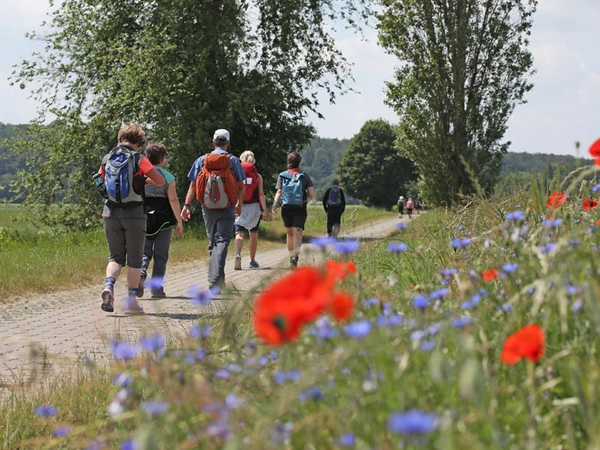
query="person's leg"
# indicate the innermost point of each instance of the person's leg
(289, 239)
(330, 220)
(162, 243)
(148, 254)
(239, 242)
(221, 231)
(297, 240)
(135, 239)
(253, 245)
(337, 220)
(115, 238)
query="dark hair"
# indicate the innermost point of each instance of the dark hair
(336, 182)
(155, 152)
(293, 160)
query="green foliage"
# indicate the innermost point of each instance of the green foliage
(320, 160)
(371, 169)
(464, 67)
(182, 69)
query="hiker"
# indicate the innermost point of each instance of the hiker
(410, 206)
(293, 187)
(163, 212)
(253, 209)
(124, 216)
(218, 217)
(334, 203)
(400, 207)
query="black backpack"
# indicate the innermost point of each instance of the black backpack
(335, 197)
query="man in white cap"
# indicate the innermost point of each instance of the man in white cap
(218, 222)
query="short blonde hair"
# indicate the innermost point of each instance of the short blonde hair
(248, 156)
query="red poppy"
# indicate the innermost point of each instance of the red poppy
(489, 274)
(556, 199)
(589, 203)
(529, 343)
(595, 152)
(284, 307)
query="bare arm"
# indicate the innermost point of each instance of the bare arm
(240, 197)
(276, 201)
(310, 192)
(174, 202)
(189, 198)
(261, 197)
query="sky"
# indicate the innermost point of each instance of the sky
(562, 108)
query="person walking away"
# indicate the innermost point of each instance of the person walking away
(334, 203)
(410, 206)
(124, 215)
(400, 207)
(294, 187)
(253, 209)
(217, 182)
(162, 212)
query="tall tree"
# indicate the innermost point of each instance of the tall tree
(371, 169)
(181, 68)
(464, 68)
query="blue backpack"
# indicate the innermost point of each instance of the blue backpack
(292, 189)
(122, 177)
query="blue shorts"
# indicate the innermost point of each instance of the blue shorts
(240, 229)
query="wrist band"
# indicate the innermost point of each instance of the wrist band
(185, 205)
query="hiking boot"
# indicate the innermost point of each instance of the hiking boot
(140, 291)
(238, 263)
(107, 299)
(294, 261)
(132, 306)
(254, 264)
(159, 293)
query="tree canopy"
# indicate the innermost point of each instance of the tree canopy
(371, 169)
(182, 69)
(464, 68)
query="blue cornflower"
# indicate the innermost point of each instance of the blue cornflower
(129, 444)
(346, 247)
(572, 290)
(154, 283)
(475, 299)
(122, 380)
(577, 305)
(427, 345)
(200, 332)
(371, 302)
(515, 215)
(46, 411)
(420, 301)
(510, 267)
(461, 322)
(323, 242)
(358, 329)
(506, 307)
(417, 335)
(459, 243)
(439, 293)
(596, 188)
(233, 401)
(62, 431)
(223, 374)
(548, 248)
(401, 225)
(154, 408)
(153, 343)
(412, 422)
(448, 272)
(347, 440)
(124, 351)
(201, 297)
(397, 247)
(313, 393)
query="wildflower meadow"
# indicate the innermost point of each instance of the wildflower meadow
(475, 328)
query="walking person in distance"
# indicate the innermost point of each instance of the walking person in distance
(123, 171)
(400, 207)
(163, 212)
(334, 203)
(253, 209)
(294, 188)
(217, 181)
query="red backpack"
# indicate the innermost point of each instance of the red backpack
(216, 185)
(250, 183)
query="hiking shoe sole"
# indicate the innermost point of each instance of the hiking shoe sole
(107, 300)
(238, 263)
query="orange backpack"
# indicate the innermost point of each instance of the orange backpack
(216, 185)
(250, 183)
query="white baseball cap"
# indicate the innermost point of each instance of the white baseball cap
(221, 135)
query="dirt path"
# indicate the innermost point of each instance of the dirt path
(40, 334)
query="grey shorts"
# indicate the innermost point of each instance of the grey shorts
(241, 229)
(126, 239)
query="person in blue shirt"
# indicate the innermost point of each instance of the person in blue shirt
(219, 223)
